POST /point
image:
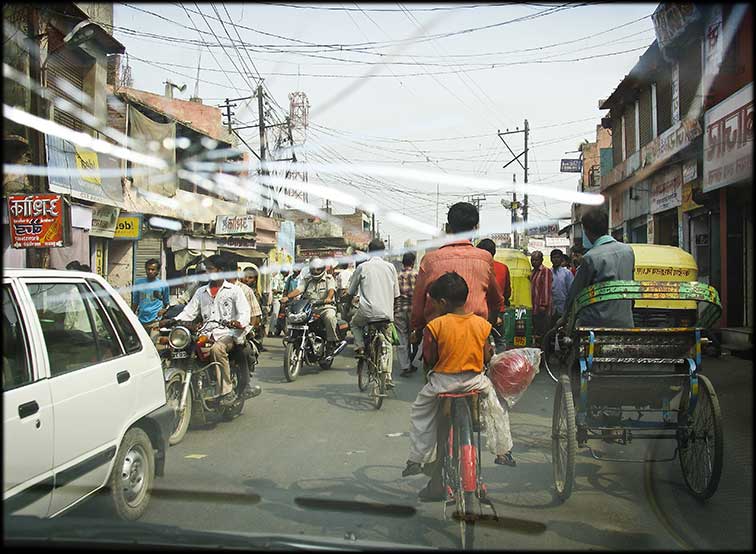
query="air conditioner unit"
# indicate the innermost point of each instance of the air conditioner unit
(606, 122)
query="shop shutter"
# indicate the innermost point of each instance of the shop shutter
(645, 116)
(148, 247)
(616, 137)
(66, 67)
(690, 77)
(664, 100)
(630, 128)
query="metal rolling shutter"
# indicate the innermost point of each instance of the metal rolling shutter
(67, 66)
(148, 247)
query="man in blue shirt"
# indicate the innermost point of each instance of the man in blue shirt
(150, 298)
(560, 283)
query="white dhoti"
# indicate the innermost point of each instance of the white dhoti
(425, 413)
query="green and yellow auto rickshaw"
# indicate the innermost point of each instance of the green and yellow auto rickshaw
(517, 326)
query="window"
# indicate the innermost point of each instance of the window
(16, 367)
(126, 331)
(67, 320)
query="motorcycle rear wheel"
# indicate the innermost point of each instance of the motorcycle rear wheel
(292, 362)
(173, 390)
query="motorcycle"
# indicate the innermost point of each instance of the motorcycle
(192, 388)
(306, 338)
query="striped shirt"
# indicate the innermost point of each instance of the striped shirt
(474, 265)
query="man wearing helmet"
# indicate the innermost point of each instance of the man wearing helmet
(319, 286)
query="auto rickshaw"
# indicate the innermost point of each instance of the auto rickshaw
(517, 327)
(657, 262)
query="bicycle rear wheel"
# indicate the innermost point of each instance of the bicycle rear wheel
(465, 461)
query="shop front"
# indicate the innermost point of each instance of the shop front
(664, 204)
(728, 172)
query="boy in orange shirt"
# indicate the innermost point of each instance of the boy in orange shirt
(456, 346)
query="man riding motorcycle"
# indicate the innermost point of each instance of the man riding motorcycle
(318, 286)
(222, 301)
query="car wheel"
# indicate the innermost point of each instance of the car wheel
(133, 475)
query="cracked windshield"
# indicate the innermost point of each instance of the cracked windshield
(378, 276)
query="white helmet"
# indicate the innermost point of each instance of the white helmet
(317, 268)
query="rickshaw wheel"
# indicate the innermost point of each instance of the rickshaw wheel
(563, 438)
(702, 453)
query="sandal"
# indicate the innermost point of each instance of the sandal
(505, 460)
(413, 468)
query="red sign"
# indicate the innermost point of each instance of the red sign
(36, 220)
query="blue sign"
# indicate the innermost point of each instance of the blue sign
(571, 166)
(286, 237)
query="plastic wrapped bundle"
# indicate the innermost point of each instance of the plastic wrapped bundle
(511, 372)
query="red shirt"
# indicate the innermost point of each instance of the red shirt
(474, 265)
(540, 290)
(502, 279)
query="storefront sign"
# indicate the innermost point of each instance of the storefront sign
(666, 190)
(234, 225)
(671, 141)
(728, 142)
(36, 220)
(712, 45)
(104, 220)
(676, 94)
(670, 21)
(690, 171)
(84, 174)
(571, 166)
(235, 242)
(128, 227)
(557, 242)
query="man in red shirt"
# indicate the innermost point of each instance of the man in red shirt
(475, 265)
(500, 270)
(540, 294)
(484, 298)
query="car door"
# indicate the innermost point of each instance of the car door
(90, 383)
(27, 414)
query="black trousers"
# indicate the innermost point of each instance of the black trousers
(240, 361)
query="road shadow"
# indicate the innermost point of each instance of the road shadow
(362, 488)
(344, 396)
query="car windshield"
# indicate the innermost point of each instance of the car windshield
(347, 275)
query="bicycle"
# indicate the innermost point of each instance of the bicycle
(374, 368)
(459, 455)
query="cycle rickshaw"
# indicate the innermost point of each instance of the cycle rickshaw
(620, 384)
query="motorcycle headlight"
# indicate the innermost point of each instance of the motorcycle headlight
(179, 337)
(297, 318)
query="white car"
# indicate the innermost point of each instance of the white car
(83, 396)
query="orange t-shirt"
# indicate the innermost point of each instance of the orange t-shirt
(461, 340)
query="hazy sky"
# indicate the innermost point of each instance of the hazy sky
(401, 114)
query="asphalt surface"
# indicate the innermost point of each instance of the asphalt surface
(320, 438)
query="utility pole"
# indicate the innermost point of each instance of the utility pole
(228, 105)
(525, 203)
(524, 153)
(436, 205)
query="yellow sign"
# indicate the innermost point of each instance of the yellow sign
(519, 341)
(86, 160)
(129, 227)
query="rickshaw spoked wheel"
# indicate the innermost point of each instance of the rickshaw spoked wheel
(701, 449)
(563, 438)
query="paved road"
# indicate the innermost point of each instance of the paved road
(319, 437)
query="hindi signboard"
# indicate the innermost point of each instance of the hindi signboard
(36, 220)
(128, 227)
(666, 190)
(104, 221)
(234, 225)
(571, 166)
(728, 140)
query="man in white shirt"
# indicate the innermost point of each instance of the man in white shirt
(378, 285)
(220, 300)
(277, 283)
(245, 358)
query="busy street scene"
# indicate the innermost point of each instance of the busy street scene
(347, 277)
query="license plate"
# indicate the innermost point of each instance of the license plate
(180, 354)
(519, 341)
